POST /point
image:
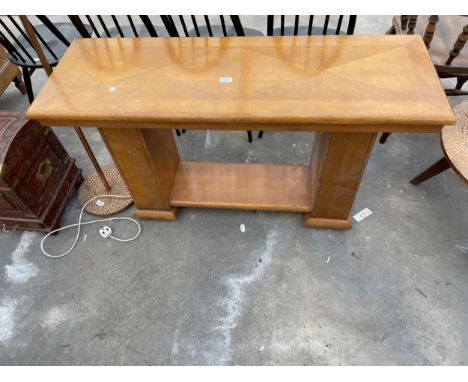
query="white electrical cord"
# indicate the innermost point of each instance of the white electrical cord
(104, 231)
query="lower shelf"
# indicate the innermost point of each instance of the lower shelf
(249, 186)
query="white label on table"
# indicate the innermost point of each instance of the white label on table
(225, 80)
(361, 215)
(100, 203)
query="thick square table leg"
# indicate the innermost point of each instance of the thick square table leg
(147, 160)
(337, 164)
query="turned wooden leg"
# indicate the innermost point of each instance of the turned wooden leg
(148, 161)
(249, 135)
(430, 29)
(459, 44)
(383, 138)
(337, 164)
(435, 169)
(412, 24)
(260, 134)
(19, 83)
(404, 22)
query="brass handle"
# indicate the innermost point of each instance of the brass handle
(44, 171)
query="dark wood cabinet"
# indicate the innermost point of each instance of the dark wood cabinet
(37, 177)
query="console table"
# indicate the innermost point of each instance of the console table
(345, 88)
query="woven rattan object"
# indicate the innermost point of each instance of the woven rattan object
(455, 141)
(93, 187)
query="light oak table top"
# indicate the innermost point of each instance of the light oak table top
(332, 83)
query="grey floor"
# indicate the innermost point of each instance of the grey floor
(393, 290)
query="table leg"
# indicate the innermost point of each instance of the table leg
(337, 164)
(147, 160)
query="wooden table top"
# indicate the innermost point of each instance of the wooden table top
(261, 81)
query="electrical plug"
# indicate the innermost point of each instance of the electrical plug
(105, 231)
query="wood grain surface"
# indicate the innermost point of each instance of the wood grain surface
(242, 186)
(298, 80)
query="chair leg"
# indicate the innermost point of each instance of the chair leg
(249, 134)
(27, 82)
(392, 30)
(178, 132)
(460, 82)
(260, 134)
(19, 83)
(435, 169)
(383, 138)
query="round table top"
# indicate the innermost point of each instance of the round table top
(455, 141)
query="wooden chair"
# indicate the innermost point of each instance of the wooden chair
(10, 73)
(454, 142)
(203, 27)
(445, 37)
(54, 37)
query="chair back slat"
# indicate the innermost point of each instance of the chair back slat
(132, 25)
(311, 23)
(117, 25)
(79, 26)
(338, 26)
(149, 26)
(90, 21)
(208, 26)
(325, 24)
(103, 25)
(236, 23)
(195, 25)
(181, 18)
(270, 21)
(296, 25)
(351, 24)
(43, 41)
(49, 24)
(223, 25)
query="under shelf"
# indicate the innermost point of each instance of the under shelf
(273, 187)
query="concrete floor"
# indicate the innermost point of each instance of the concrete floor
(198, 291)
